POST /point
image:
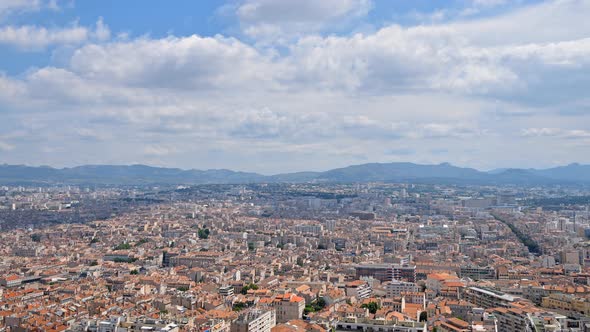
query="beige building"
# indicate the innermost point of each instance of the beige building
(288, 306)
(255, 321)
(567, 303)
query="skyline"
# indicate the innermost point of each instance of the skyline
(273, 87)
(574, 173)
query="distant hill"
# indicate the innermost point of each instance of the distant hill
(399, 172)
(571, 172)
(444, 173)
(125, 175)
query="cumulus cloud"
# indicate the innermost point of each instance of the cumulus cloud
(544, 22)
(556, 132)
(159, 150)
(174, 62)
(11, 6)
(268, 20)
(398, 91)
(15, 7)
(31, 37)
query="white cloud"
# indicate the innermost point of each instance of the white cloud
(174, 62)
(34, 37)
(159, 150)
(102, 31)
(11, 6)
(300, 10)
(545, 22)
(31, 37)
(6, 147)
(92, 134)
(556, 132)
(324, 99)
(269, 20)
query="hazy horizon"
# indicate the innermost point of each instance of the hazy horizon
(293, 171)
(282, 86)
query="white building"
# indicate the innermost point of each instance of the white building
(395, 288)
(255, 321)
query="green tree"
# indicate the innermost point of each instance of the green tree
(372, 306)
(238, 306)
(134, 272)
(203, 233)
(246, 288)
(123, 246)
(124, 260)
(315, 306)
(36, 237)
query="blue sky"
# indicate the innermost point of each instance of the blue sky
(276, 86)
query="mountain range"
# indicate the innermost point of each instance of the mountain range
(444, 173)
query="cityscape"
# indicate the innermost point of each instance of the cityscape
(295, 257)
(295, 165)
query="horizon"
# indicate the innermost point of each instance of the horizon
(283, 86)
(502, 169)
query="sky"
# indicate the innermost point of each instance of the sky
(277, 86)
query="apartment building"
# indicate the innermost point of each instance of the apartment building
(255, 321)
(288, 306)
(387, 272)
(395, 288)
(487, 298)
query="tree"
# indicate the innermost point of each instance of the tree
(123, 246)
(423, 316)
(372, 306)
(238, 306)
(203, 233)
(134, 272)
(246, 288)
(36, 237)
(124, 259)
(300, 261)
(317, 305)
